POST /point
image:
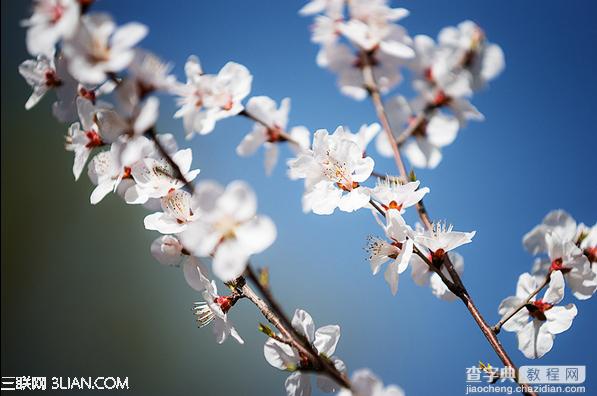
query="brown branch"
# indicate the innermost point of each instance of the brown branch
(456, 286)
(373, 89)
(272, 311)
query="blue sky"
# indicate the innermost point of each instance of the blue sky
(501, 176)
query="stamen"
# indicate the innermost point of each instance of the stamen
(203, 313)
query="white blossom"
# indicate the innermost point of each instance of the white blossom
(481, 59)
(269, 135)
(340, 59)
(424, 276)
(106, 174)
(214, 310)
(440, 239)
(179, 209)
(155, 177)
(99, 47)
(568, 258)
(423, 148)
(333, 170)
(207, 98)
(537, 324)
(228, 227)
(95, 129)
(284, 357)
(399, 250)
(52, 20)
(392, 194)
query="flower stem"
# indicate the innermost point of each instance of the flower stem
(456, 285)
(498, 326)
(272, 311)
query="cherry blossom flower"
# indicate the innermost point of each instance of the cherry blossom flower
(333, 170)
(365, 383)
(537, 324)
(106, 174)
(587, 242)
(394, 195)
(423, 275)
(440, 239)
(52, 20)
(179, 209)
(325, 30)
(167, 250)
(150, 73)
(362, 137)
(228, 227)
(214, 310)
(264, 109)
(567, 258)
(370, 28)
(94, 130)
(483, 60)
(207, 98)
(555, 222)
(155, 177)
(41, 75)
(399, 250)
(340, 59)
(99, 47)
(282, 356)
(423, 148)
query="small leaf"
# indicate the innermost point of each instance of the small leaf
(264, 277)
(265, 330)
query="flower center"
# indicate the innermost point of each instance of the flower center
(88, 94)
(437, 257)
(392, 205)
(537, 309)
(94, 139)
(52, 79)
(56, 13)
(558, 265)
(225, 302)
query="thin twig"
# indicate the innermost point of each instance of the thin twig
(274, 314)
(498, 326)
(456, 286)
(177, 172)
(283, 136)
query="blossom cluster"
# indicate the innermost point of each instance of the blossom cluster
(446, 72)
(107, 89)
(567, 258)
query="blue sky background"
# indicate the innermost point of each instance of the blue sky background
(106, 307)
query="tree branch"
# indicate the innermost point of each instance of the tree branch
(456, 286)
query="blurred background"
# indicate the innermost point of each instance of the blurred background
(82, 296)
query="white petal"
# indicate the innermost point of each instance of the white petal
(229, 261)
(559, 319)
(326, 339)
(555, 290)
(354, 200)
(279, 355)
(303, 323)
(148, 115)
(128, 35)
(257, 234)
(534, 340)
(298, 384)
